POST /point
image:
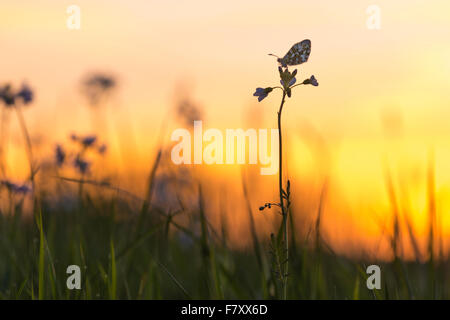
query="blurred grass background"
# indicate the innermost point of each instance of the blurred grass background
(149, 253)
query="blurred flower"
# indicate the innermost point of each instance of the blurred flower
(15, 188)
(7, 96)
(88, 141)
(188, 111)
(81, 165)
(187, 108)
(262, 93)
(102, 149)
(23, 189)
(25, 94)
(73, 137)
(102, 81)
(7, 184)
(312, 80)
(60, 155)
(79, 158)
(97, 86)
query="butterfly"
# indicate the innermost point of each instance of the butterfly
(298, 54)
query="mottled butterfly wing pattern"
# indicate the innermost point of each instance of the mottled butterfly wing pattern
(298, 54)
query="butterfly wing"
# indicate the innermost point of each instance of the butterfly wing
(298, 54)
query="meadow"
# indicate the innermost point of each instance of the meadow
(146, 254)
(132, 246)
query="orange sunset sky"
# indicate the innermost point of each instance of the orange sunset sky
(383, 97)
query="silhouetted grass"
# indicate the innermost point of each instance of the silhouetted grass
(122, 260)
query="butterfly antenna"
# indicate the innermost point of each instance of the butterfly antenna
(273, 55)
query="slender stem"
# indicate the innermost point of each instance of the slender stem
(29, 149)
(27, 138)
(298, 84)
(82, 176)
(283, 209)
(3, 140)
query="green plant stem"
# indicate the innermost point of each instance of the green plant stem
(3, 131)
(283, 210)
(27, 138)
(29, 150)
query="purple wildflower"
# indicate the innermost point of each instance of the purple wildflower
(88, 141)
(25, 93)
(262, 93)
(7, 96)
(312, 80)
(96, 86)
(81, 165)
(23, 189)
(60, 155)
(15, 188)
